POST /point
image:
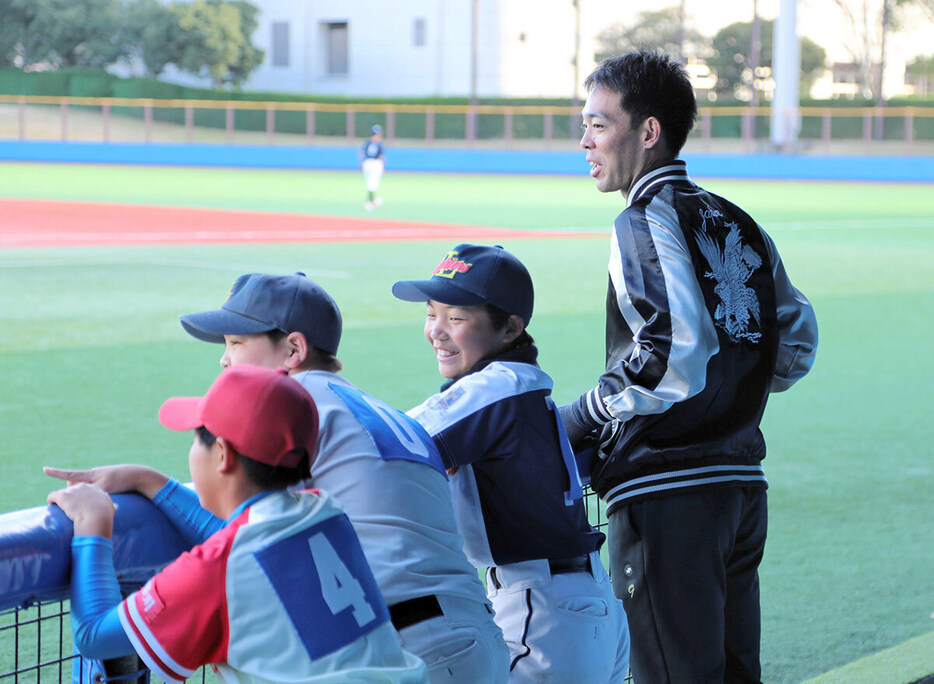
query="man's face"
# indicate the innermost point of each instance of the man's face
(614, 147)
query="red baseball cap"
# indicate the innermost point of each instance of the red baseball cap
(262, 413)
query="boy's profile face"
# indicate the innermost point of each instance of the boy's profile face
(201, 467)
(258, 350)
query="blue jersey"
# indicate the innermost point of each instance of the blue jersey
(515, 486)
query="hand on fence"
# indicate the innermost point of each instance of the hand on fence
(115, 479)
(88, 506)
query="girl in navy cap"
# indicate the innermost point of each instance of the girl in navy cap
(517, 492)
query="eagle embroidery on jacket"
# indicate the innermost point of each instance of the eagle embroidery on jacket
(731, 268)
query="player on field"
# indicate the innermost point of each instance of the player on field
(379, 464)
(702, 323)
(281, 592)
(372, 162)
(517, 492)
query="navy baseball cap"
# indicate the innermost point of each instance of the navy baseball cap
(259, 303)
(474, 275)
(376, 129)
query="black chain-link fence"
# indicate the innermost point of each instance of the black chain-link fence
(36, 644)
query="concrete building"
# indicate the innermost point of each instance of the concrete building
(524, 48)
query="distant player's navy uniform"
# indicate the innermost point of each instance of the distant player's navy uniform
(281, 592)
(702, 323)
(517, 496)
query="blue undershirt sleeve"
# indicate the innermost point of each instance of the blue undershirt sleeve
(181, 506)
(95, 599)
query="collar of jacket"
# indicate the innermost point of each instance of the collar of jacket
(663, 172)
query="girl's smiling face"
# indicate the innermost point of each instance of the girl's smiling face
(463, 335)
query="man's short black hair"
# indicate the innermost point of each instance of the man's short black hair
(650, 84)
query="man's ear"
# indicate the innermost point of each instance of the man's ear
(514, 327)
(297, 350)
(651, 133)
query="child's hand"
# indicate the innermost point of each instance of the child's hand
(115, 479)
(88, 506)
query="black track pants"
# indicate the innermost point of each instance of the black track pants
(686, 568)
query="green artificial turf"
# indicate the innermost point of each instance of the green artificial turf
(906, 663)
(90, 346)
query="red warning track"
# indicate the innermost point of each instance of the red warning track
(43, 223)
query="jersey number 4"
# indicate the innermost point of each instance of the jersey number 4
(322, 579)
(338, 586)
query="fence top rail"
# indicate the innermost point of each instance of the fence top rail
(740, 110)
(287, 106)
(554, 110)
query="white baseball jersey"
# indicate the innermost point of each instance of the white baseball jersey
(282, 593)
(386, 473)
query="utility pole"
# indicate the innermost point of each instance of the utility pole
(575, 101)
(681, 33)
(880, 99)
(755, 47)
(786, 70)
(474, 48)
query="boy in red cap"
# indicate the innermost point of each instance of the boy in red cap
(231, 601)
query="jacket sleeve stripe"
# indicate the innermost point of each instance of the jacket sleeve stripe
(658, 295)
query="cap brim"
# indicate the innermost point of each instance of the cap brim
(181, 413)
(211, 326)
(446, 293)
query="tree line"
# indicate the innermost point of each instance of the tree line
(737, 51)
(213, 39)
(206, 38)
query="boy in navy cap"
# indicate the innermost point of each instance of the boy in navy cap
(517, 491)
(231, 602)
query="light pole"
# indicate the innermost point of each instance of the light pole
(474, 48)
(577, 51)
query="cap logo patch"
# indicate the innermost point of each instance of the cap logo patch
(450, 266)
(230, 292)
